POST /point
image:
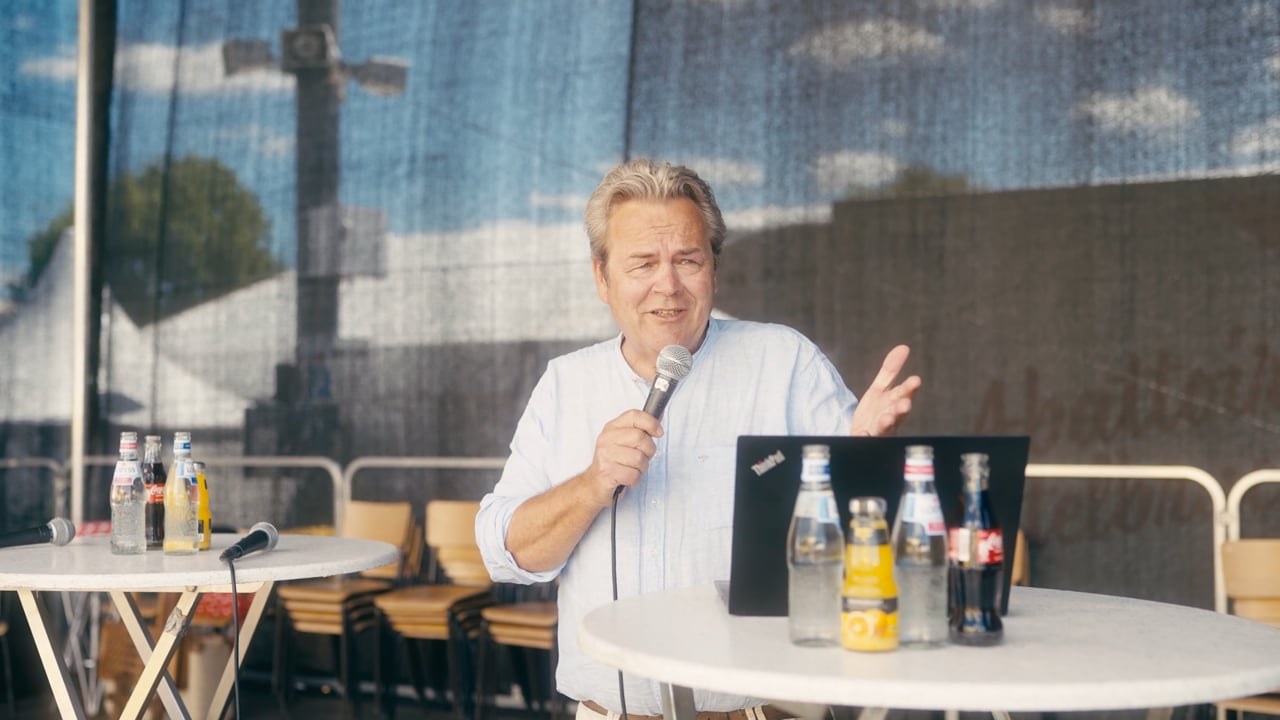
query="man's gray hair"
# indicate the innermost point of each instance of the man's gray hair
(645, 179)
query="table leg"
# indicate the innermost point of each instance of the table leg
(82, 611)
(59, 678)
(677, 702)
(256, 609)
(155, 672)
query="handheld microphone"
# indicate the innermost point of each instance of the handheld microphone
(58, 531)
(674, 363)
(262, 536)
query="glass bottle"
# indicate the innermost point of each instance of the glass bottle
(153, 476)
(976, 561)
(128, 498)
(204, 519)
(815, 555)
(181, 500)
(869, 603)
(920, 555)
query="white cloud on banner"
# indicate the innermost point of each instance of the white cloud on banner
(1260, 14)
(1260, 139)
(266, 141)
(1273, 64)
(723, 172)
(894, 128)
(960, 4)
(59, 67)
(771, 216)
(1064, 19)
(837, 173)
(1149, 110)
(152, 67)
(841, 46)
(576, 203)
(23, 22)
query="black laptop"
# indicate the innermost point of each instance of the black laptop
(767, 479)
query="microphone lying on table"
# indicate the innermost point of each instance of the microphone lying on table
(58, 531)
(262, 536)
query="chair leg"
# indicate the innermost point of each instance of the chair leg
(484, 652)
(557, 700)
(344, 671)
(8, 676)
(282, 659)
(383, 700)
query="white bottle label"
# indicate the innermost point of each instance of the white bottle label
(126, 471)
(926, 510)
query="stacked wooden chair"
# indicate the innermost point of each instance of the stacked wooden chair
(440, 617)
(524, 624)
(342, 607)
(1251, 574)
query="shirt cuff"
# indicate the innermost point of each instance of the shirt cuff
(491, 535)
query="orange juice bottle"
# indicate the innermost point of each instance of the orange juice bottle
(869, 600)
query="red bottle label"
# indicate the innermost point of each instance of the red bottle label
(975, 546)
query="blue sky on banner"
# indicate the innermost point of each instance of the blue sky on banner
(513, 110)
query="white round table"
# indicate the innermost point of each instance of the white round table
(1061, 651)
(86, 564)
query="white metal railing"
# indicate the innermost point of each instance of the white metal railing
(416, 463)
(317, 462)
(1225, 520)
(1158, 472)
(1242, 486)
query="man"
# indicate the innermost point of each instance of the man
(656, 235)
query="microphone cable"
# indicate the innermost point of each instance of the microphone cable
(613, 556)
(235, 635)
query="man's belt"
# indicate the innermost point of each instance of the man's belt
(759, 712)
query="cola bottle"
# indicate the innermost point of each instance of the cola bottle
(975, 560)
(153, 476)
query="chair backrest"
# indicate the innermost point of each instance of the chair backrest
(1251, 574)
(390, 522)
(451, 535)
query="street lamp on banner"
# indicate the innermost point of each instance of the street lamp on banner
(333, 241)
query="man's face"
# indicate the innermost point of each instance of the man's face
(659, 279)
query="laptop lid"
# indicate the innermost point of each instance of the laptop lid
(767, 479)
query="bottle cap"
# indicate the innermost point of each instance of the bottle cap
(867, 505)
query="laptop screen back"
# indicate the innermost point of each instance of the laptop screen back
(767, 479)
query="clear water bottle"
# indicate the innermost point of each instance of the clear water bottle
(128, 498)
(181, 500)
(815, 555)
(920, 555)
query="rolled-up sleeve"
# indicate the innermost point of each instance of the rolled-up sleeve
(524, 476)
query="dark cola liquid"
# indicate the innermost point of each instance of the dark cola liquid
(153, 476)
(975, 604)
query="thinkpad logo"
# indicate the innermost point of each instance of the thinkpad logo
(768, 463)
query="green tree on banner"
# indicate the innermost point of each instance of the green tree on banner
(173, 240)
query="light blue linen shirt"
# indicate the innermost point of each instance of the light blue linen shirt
(674, 527)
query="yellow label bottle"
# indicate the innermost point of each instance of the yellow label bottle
(181, 500)
(869, 600)
(204, 519)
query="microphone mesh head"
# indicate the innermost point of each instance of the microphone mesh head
(273, 536)
(63, 531)
(675, 362)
